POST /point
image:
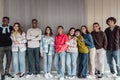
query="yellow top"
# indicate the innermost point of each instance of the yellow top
(15, 34)
(82, 48)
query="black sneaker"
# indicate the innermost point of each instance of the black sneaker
(21, 75)
(100, 75)
(2, 77)
(9, 75)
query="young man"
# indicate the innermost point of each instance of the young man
(34, 37)
(113, 38)
(60, 47)
(5, 47)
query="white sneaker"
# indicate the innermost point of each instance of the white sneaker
(111, 75)
(38, 75)
(62, 78)
(50, 75)
(73, 77)
(67, 77)
(90, 76)
(57, 76)
(28, 76)
(46, 75)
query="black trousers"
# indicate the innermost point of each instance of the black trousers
(5, 51)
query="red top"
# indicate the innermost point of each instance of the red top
(60, 43)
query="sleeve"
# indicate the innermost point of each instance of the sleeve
(29, 37)
(41, 46)
(89, 40)
(39, 36)
(23, 40)
(105, 42)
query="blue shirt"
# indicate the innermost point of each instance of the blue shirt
(88, 40)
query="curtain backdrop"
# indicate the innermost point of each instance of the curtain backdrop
(68, 13)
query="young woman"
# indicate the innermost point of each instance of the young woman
(83, 55)
(47, 50)
(18, 49)
(90, 44)
(72, 53)
(100, 41)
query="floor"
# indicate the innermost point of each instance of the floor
(42, 78)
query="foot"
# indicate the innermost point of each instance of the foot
(9, 75)
(62, 78)
(91, 76)
(50, 75)
(2, 77)
(28, 76)
(46, 75)
(100, 75)
(38, 75)
(57, 76)
(21, 75)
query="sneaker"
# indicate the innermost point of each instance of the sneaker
(100, 75)
(50, 75)
(111, 75)
(90, 76)
(21, 75)
(57, 76)
(46, 75)
(62, 78)
(73, 77)
(38, 75)
(9, 75)
(28, 76)
(66, 77)
(2, 77)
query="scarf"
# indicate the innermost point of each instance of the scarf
(5, 29)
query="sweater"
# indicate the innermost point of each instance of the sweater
(72, 45)
(88, 41)
(61, 43)
(100, 39)
(34, 37)
(5, 39)
(82, 48)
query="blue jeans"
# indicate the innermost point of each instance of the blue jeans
(71, 62)
(47, 62)
(19, 62)
(83, 64)
(60, 57)
(113, 55)
(34, 58)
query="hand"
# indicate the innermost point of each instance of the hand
(16, 42)
(41, 54)
(37, 36)
(82, 39)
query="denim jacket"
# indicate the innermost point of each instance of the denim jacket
(47, 45)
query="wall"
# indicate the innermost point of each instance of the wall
(100, 10)
(1, 9)
(68, 13)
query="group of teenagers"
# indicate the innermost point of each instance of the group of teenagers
(77, 53)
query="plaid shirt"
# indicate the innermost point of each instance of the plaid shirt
(44, 45)
(113, 37)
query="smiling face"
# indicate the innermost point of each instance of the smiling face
(48, 30)
(5, 21)
(96, 27)
(83, 29)
(111, 23)
(77, 33)
(60, 30)
(72, 31)
(34, 24)
(16, 27)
